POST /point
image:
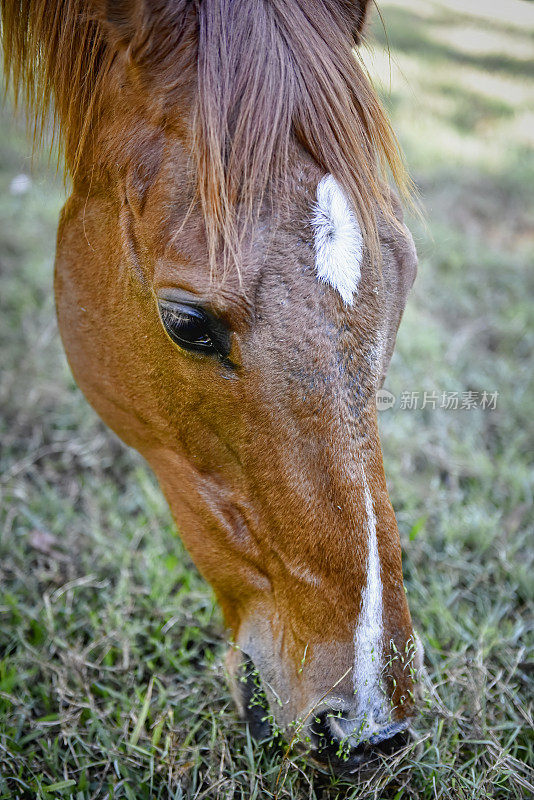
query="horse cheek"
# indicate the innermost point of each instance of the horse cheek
(103, 320)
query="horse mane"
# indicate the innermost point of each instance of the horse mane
(269, 74)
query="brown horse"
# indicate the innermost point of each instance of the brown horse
(231, 271)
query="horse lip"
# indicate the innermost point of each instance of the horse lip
(367, 757)
(389, 731)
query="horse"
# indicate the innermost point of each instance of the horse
(231, 271)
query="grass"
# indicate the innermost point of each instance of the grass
(111, 645)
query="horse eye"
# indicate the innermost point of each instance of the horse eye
(193, 329)
(187, 326)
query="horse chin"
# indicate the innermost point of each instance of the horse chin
(249, 695)
(254, 684)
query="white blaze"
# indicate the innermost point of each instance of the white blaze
(338, 240)
(369, 631)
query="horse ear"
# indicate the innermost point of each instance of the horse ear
(146, 29)
(355, 14)
(120, 18)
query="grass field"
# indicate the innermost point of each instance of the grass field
(111, 645)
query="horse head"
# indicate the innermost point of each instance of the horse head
(231, 272)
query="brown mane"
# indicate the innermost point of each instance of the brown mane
(269, 73)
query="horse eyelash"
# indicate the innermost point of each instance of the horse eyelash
(171, 318)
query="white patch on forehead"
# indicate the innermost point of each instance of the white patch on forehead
(369, 632)
(338, 240)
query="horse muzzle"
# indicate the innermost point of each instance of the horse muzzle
(336, 733)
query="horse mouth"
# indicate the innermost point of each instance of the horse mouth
(343, 757)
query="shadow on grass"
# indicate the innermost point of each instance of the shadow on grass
(413, 35)
(472, 110)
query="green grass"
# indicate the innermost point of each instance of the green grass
(111, 645)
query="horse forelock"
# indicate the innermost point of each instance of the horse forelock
(269, 77)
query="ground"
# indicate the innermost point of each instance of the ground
(111, 645)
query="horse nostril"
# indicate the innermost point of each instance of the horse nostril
(331, 749)
(322, 731)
